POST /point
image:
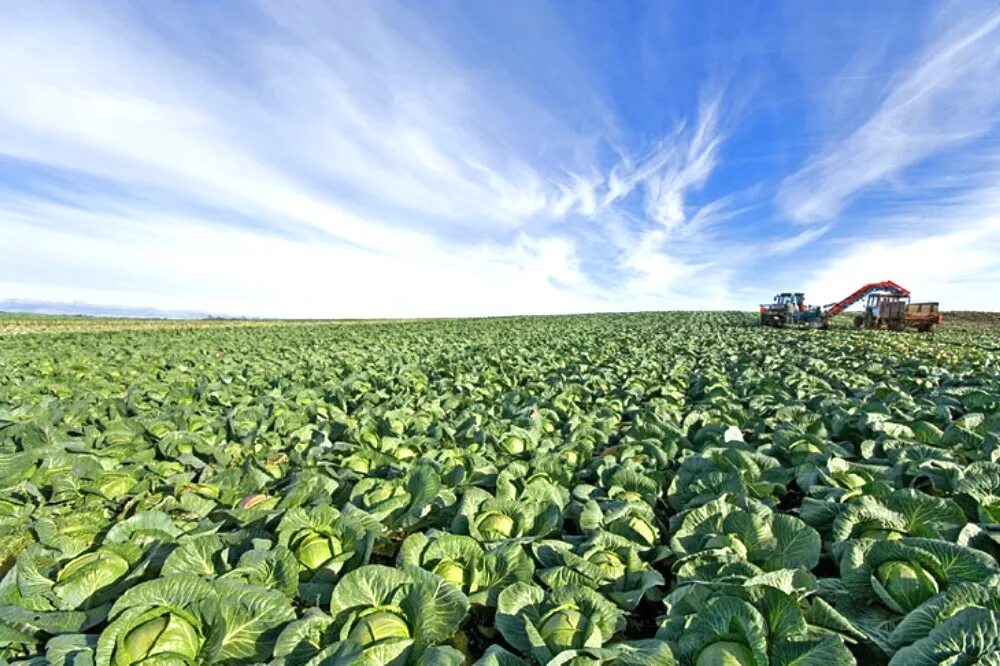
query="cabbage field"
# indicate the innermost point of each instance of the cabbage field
(673, 488)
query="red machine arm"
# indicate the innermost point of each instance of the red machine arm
(887, 286)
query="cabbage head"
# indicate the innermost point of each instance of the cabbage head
(463, 562)
(184, 619)
(604, 562)
(725, 653)
(941, 608)
(543, 624)
(492, 520)
(389, 610)
(379, 624)
(899, 575)
(908, 584)
(634, 522)
(755, 625)
(167, 637)
(326, 543)
(84, 575)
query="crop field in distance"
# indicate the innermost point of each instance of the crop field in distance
(657, 488)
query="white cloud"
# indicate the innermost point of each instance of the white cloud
(678, 263)
(93, 93)
(935, 229)
(664, 279)
(356, 125)
(179, 263)
(657, 271)
(793, 243)
(951, 263)
(578, 196)
(947, 98)
(397, 179)
(949, 267)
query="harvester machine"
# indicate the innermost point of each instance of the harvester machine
(887, 305)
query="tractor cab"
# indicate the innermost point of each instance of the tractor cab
(886, 305)
(882, 308)
(796, 299)
(789, 309)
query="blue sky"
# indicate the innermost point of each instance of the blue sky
(450, 158)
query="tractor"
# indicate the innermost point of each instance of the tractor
(896, 313)
(790, 309)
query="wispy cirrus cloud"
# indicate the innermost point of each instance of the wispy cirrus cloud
(908, 192)
(679, 162)
(664, 239)
(796, 241)
(325, 117)
(946, 98)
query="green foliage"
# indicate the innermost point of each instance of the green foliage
(680, 488)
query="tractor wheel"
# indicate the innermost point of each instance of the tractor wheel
(859, 321)
(823, 325)
(895, 325)
(924, 328)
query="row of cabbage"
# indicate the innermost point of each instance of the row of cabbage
(659, 489)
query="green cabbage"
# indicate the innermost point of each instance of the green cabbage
(87, 573)
(990, 512)
(379, 626)
(877, 533)
(907, 583)
(610, 564)
(313, 550)
(642, 529)
(496, 526)
(725, 653)
(452, 571)
(164, 636)
(564, 628)
(852, 480)
(512, 445)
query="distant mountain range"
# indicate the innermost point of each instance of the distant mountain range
(92, 310)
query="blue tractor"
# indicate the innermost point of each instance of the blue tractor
(790, 309)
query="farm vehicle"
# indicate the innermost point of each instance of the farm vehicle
(887, 305)
(790, 309)
(896, 313)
